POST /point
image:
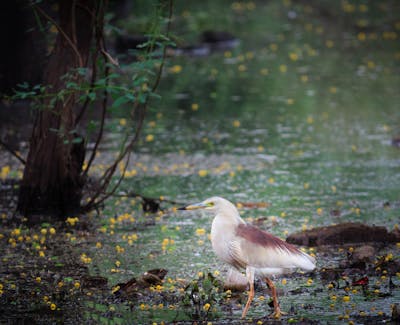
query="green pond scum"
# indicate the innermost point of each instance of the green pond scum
(296, 124)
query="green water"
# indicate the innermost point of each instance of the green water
(295, 125)
(300, 115)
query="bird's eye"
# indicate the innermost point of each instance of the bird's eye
(210, 204)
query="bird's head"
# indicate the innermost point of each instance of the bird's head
(214, 204)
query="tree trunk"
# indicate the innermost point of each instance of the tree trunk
(52, 182)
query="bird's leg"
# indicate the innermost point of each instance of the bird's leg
(250, 278)
(277, 309)
(249, 300)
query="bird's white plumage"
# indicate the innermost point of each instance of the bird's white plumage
(247, 247)
(239, 251)
(269, 260)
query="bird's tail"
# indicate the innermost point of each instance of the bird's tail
(305, 262)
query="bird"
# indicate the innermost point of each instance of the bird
(246, 247)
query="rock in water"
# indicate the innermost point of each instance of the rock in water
(345, 233)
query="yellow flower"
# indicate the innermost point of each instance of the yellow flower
(175, 69)
(203, 172)
(200, 231)
(16, 232)
(53, 306)
(149, 138)
(242, 68)
(283, 68)
(52, 231)
(329, 43)
(304, 78)
(227, 54)
(361, 36)
(195, 107)
(206, 307)
(38, 279)
(346, 298)
(236, 123)
(77, 285)
(72, 221)
(293, 56)
(273, 47)
(4, 172)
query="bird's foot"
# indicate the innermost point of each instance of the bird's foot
(278, 313)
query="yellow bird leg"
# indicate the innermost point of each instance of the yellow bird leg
(277, 309)
(249, 300)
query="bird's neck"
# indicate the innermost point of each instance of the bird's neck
(229, 217)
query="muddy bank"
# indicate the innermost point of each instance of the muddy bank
(345, 233)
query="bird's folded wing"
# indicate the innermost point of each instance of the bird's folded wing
(245, 253)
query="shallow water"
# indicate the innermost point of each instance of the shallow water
(300, 116)
(297, 121)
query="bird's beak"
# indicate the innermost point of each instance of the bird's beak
(194, 206)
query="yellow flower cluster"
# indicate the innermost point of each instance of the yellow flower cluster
(5, 170)
(85, 259)
(123, 218)
(130, 238)
(72, 221)
(243, 5)
(167, 242)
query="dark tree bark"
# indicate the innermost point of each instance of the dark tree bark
(24, 47)
(52, 182)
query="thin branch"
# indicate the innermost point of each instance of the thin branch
(95, 199)
(61, 31)
(99, 37)
(170, 10)
(98, 32)
(73, 23)
(13, 152)
(110, 58)
(134, 194)
(102, 122)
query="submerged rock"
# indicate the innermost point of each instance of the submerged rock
(147, 279)
(344, 233)
(396, 312)
(365, 253)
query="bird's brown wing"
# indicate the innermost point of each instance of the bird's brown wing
(255, 247)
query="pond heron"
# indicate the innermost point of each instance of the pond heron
(246, 247)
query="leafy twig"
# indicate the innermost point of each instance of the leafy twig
(95, 199)
(13, 152)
